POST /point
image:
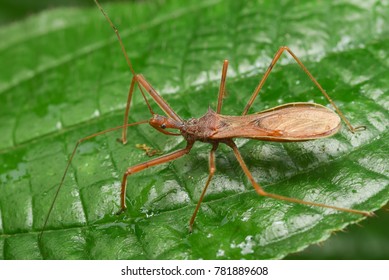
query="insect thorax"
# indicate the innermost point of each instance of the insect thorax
(201, 129)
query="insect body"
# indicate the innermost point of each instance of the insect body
(286, 123)
(289, 122)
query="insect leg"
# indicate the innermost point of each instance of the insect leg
(70, 161)
(260, 190)
(158, 98)
(142, 83)
(128, 106)
(265, 76)
(130, 92)
(222, 87)
(212, 169)
(139, 167)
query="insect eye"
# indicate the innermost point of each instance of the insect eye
(163, 126)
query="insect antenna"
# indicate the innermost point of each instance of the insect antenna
(118, 36)
(70, 161)
(222, 88)
(124, 52)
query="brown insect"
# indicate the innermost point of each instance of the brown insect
(291, 122)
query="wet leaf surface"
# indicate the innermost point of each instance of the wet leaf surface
(63, 78)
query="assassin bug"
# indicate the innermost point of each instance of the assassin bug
(291, 122)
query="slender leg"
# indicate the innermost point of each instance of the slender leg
(147, 164)
(222, 87)
(70, 161)
(158, 98)
(142, 83)
(274, 61)
(125, 121)
(260, 190)
(212, 169)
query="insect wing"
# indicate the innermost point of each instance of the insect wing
(289, 122)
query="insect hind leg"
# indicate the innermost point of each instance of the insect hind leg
(266, 75)
(262, 192)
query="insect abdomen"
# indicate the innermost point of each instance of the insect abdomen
(289, 122)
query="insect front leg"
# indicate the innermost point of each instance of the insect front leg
(139, 167)
(265, 76)
(128, 105)
(143, 84)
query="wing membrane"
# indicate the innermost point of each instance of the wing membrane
(289, 122)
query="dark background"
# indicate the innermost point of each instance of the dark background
(13, 10)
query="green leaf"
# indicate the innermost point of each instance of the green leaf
(63, 77)
(367, 240)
